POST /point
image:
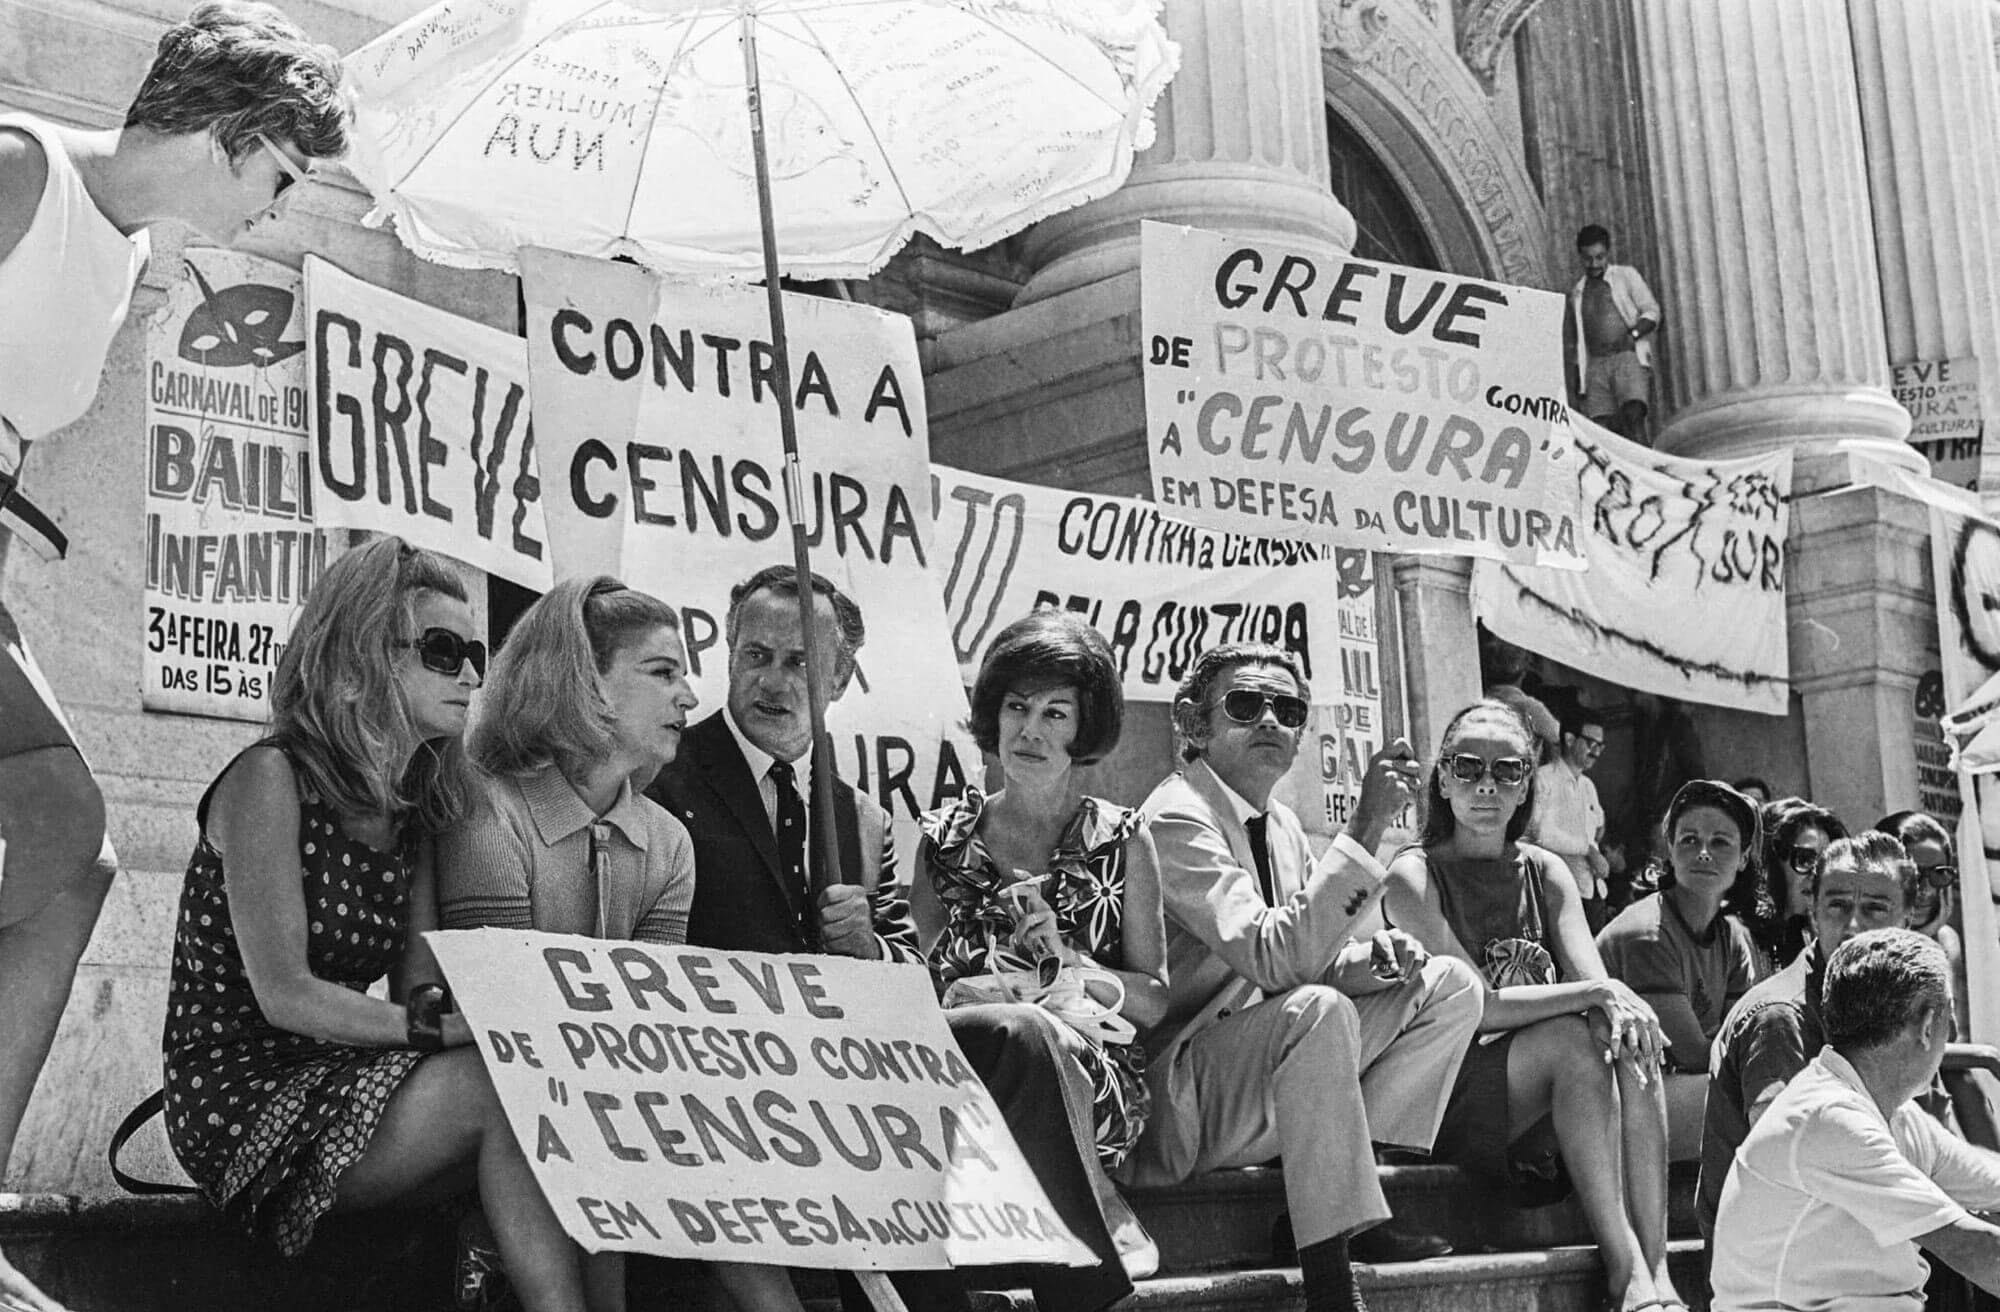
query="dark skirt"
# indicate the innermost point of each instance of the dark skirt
(1479, 1134)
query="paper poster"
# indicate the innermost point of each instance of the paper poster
(420, 427)
(1685, 591)
(1161, 590)
(658, 437)
(231, 546)
(1946, 424)
(1347, 725)
(802, 1110)
(1350, 402)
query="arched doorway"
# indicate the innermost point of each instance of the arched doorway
(1386, 226)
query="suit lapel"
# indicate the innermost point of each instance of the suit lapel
(725, 773)
(1202, 778)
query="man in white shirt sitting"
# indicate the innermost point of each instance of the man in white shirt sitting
(1844, 1178)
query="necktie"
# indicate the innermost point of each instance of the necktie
(791, 827)
(1260, 848)
(600, 870)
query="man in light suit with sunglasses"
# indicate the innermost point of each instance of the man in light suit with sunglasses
(1285, 1036)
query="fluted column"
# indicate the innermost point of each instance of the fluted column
(1773, 310)
(1241, 147)
(1930, 115)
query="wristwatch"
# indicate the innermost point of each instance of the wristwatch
(424, 1013)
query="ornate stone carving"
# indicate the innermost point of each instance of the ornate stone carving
(1350, 28)
(1484, 29)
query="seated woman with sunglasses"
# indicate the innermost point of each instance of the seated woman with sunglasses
(290, 1092)
(1561, 1088)
(1677, 948)
(1779, 915)
(1934, 910)
(1039, 873)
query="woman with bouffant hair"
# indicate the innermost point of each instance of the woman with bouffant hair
(290, 1091)
(589, 693)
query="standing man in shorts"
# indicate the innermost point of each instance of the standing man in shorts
(234, 109)
(1608, 338)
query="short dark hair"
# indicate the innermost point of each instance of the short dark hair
(784, 580)
(1050, 648)
(1742, 812)
(1593, 234)
(1191, 698)
(1878, 983)
(1758, 782)
(1784, 819)
(1874, 849)
(241, 70)
(1913, 827)
(1576, 717)
(1439, 823)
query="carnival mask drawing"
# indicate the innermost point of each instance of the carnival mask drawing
(238, 326)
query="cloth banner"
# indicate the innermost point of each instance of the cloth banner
(1160, 590)
(1965, 562)
(734, 1106)
(231, 547)
(656, 406)
(1685, 591)
(420, 427)
(1362, 404)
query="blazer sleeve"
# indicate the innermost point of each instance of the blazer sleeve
(1218, 901)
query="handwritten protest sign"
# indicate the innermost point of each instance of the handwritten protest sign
(1685, 594)
(231, 548)
(420, 427)
(1161, 590)
(810, 1111)
(656, 407)
(1352, 402)
(1946, 423)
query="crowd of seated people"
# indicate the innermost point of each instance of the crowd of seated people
(1238, 1003)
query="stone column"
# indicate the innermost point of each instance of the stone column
(1439, 640)
(1241, 148)
(1930, 113)
(1773, 331)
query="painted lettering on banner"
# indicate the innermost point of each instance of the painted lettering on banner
(810, 1111)
(1685, 591)
(232, 546)
(421, 427)
(657, 418)
(1351, 402)
(1946, 420)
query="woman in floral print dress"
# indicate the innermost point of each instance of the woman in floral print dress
(1046, 701)
(290, 1092)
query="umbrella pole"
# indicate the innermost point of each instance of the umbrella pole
(827, 869)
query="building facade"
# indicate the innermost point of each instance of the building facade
(1809, 185)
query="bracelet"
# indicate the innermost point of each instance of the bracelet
(424, 1015)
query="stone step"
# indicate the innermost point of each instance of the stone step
(1224, 1219)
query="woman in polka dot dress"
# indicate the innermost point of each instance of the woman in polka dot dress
(290, 1092)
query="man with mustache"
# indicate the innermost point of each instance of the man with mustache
(1286, 1036)
(742, 785)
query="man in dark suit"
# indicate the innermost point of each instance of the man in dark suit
(741, 784)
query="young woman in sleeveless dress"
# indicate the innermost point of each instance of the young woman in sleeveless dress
(290, 1092)
(1562, 1088)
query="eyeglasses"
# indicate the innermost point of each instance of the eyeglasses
(1592, 745)
(288, 171)
(1246, 706)
(1507, 771)
(1805, 860)
(1941, 875)
(444, 652)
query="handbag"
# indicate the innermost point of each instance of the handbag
(1064, 992)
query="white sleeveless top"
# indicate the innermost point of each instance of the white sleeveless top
(64, 291)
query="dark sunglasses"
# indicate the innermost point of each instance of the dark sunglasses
(1805, 860)
(1507, 771)
(445, 652)
(1942, 875)
(1246, 706)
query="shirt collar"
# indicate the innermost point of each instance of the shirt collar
(559, 811)
(760, 760)
(1244, 811)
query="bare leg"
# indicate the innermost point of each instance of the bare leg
(445, 1115)
(1632, 421)
(756, 1288)
(59, 866)
(1555, 1066)
(1644, 1112)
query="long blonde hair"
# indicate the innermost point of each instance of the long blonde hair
(336, 707)
(544, 703)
